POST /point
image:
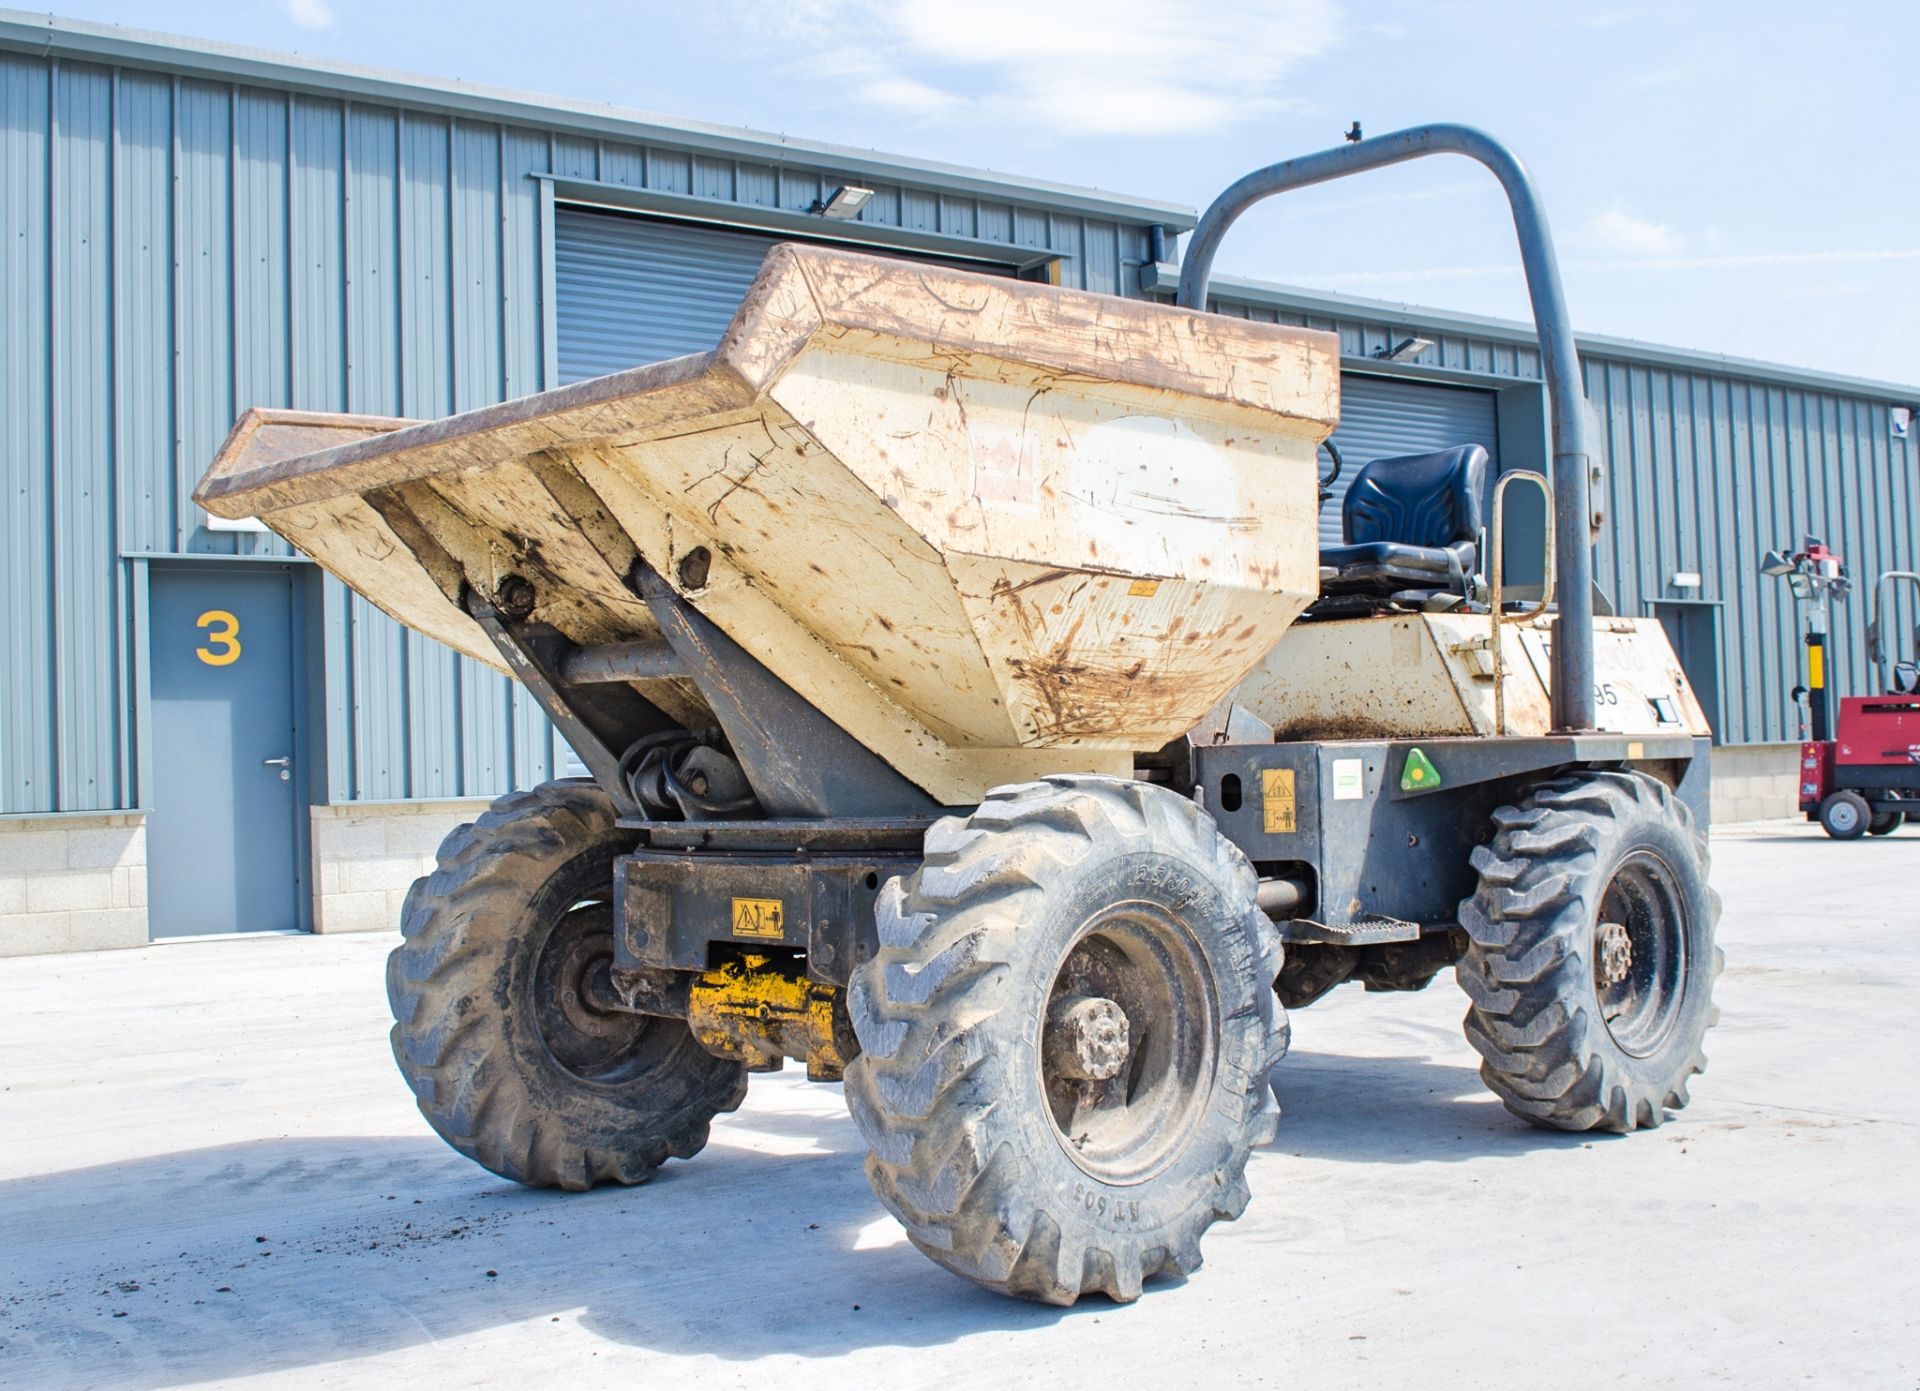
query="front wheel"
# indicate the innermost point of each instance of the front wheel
(1845, 815)
(1066, 1038)
(1591, 957)
(505, 1021)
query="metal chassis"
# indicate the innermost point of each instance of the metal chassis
(1379, 856)
(1332, 820)
(1379, 864)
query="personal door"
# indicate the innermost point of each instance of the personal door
(1692, 627)
(222, 835)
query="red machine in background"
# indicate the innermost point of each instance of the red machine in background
(1863, 776)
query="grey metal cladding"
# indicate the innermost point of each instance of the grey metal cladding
(1706, 471)
(187, 237)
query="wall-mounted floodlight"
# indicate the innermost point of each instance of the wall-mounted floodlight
(844, 202)
(1406, 350)
(1684, 579)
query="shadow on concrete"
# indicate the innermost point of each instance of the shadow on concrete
(1408, 1109)
(379, 1243)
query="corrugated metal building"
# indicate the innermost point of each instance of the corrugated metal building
(194, 229)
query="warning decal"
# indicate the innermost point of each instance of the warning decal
(1276, 801)
(759, 917)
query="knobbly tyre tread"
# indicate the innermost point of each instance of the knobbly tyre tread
(480, 1072)
(1528, 974)
(936, 1011)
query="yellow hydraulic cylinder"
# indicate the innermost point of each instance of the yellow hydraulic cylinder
(761, 1010)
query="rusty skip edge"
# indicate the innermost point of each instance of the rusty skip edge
(799, 291)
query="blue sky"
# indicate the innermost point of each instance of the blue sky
(1735, 177)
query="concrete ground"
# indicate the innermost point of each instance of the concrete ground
(211, 1174)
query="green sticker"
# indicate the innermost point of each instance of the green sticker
(1418, 774)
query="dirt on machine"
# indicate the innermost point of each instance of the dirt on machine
(973, 716)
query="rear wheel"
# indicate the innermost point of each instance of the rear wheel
(1885, 823)
(1066, 1038)
(505, 1022)
(1845, 815)
(1591, 956)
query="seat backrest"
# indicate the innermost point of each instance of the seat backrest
(1417, 499)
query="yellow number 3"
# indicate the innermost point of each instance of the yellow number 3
(223, 632)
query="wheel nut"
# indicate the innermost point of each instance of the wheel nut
(1616, 952)
(1086, 1038)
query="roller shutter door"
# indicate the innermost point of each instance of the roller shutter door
(631, 290)
(1384, 416)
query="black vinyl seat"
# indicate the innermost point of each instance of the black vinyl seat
(1411, 523)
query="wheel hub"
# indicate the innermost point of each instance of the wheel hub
(1640, 961)
(1616, 952)
(1086, 1038)
(576, 1008)
(1126, 1043)
(587, 999)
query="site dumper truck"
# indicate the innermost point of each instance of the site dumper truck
(972, 714)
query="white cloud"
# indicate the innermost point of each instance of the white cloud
(908, 95)
(1620, 233)
(308, 14)
(1073, 67)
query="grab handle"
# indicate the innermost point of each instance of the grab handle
(1496, 571)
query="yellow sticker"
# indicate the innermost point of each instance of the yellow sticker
(1636, 750)
(1143, 589)
(759, 917)
(1276, 801)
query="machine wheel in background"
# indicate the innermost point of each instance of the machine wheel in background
(1885, 823)
(504, 1022)
(1066, 1038)
(1591, 956)
(1846, 816)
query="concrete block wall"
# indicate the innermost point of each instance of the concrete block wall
(79, 882)
(1755, 782)
(366, 856)
(72, 883)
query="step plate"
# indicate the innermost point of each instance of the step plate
(1355, 934)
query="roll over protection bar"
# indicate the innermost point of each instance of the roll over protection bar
(1573, 669)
